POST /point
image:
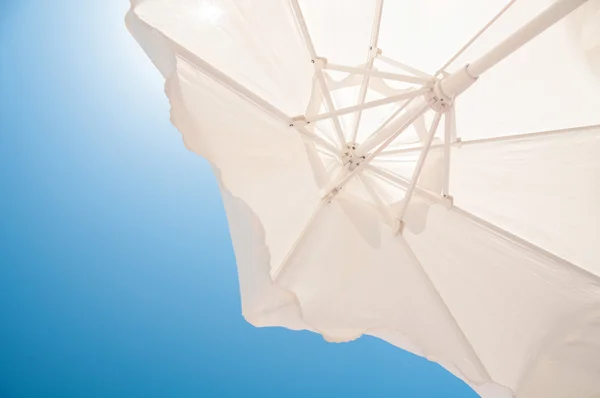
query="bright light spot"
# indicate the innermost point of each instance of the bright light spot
(210, 13)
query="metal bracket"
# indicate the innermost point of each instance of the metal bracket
(374, 52)
(448, 201)
(398, 227)
(351, 157)
(299, 121)
(319, 62)
(440, 102)
(332, 194)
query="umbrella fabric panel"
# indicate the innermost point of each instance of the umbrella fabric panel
(260, 160)
(352, 276)
(543, 188)
(275, 170)
(569, 367)
(263, 302)
(340, 32)
(488, 307)
(261, 50)
(426, 33)
(508, 299)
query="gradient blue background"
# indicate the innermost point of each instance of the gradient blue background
(117, 273)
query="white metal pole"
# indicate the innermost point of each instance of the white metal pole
(459, 81)
(460, 334)
(459, 52)
(377, 73)
(455, 143)
(362, 94)
(449, 128)
(368, 105)
(537, 25)
(383, 133)
(419, 166)
(279, 271)
(383, 129)
(318, 71)
(395, 179)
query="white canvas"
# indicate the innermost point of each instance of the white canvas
(379, 181)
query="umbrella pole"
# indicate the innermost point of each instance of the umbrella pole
(446, 89)
(459, 81)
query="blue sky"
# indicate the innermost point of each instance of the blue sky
(117, 275)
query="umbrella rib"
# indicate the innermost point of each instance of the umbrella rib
(439, 299)
(362, 94)
(444, 307)
(419, 166)
(366, 72)
(460, 142)
(227, 81)
(284, 265)
(400, 151)
(403, 183)
(472, 40)
(371, 104)
(372, 140)
(449, 132)
(312, 108)
(318, 71)
(286, 261)
(528, 135)
(314, 103)
(524, 243)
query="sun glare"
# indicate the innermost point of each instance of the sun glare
(210, 13)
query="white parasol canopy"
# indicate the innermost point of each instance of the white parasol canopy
(427, 172)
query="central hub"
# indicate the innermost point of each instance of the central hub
(351, 157)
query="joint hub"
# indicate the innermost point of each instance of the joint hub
(351, 157)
